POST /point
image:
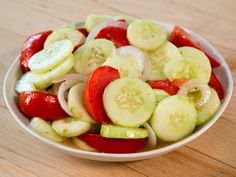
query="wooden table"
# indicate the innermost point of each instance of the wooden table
(212, 154)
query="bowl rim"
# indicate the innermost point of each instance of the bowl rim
(126, 156)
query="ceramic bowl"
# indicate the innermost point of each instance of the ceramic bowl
(223, 73)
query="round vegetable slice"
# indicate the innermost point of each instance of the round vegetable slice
(65, 33)
(146, 35)
(199, 63)
(45, 129)
(174, 118)
(129, 102)
(75, 103)
(165, 85)
(50, 57)
(93, 92)
(70, 127)
(25, 83)
(160, 95)
(115, 34)
(41, 104)
(159, 57)
(110, 145)
(93, 20)
(209, 109)
(112, 131)
(92, 55)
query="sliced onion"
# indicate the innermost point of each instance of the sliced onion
(104, 24)
(66, 85)
(196, 85)
(140, 58)
(82, 145)
(152, 139)
(72, 76)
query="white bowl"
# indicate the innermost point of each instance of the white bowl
(11, 99)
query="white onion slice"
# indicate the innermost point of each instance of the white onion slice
(196, 85)
(152, 139)
(61, 94)
(104, 24)
(72, 76)
(140, 58)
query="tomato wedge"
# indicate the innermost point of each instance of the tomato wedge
(41, 104)
(32, 45)
(111, 145)
(165, 85)
(181, 38)
(215, 84)
(84, 31)
(94, 89)
(179, 82)
(115, 34)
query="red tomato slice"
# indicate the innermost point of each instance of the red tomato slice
(215, 84)
(32, 45)
(165, 85)
(180, 82)
(84, 31)
(111, 145)
(94, 88)
(181, 38)
(41, 104)
(115, 34)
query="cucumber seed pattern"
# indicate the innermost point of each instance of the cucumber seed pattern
(158, 60)
(176, 120)
(147, 32)
(96, 56)
(129, 99)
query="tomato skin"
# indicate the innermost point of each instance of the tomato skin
(180, 82)
(84, 31)
(111, 145)
(32, 45)
(181, 38)
(165, 85)
(93, 92)
(215, 84)
(115, 34)
(41, 104)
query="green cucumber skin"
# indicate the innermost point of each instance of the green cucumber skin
(111, 131)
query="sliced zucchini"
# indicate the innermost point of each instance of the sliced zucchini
(45, 129)
(160, 95)
(126, 66)
(174, 118)
(25, 83)
(128, 102)
(209, 109)
(75, 103)
(42, 81)
(146, 35)
(159, 57)
(112, 131)
(65, 33)
(92, 55)
(199, 63)
(49, 58)
(93, 20)
(70, 127)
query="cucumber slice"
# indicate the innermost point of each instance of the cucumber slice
(25, 83)
(92, 55)
(82, 145)
(146, 35)
(70, 127)
(42, 81)
(93, 20)
(126, 66)
(198, 62)
(174, 118)
(73, 26)
(128, 19)
(209, 109)
(49, 58)
(65, 33)
(45, 129)
(159, 57)
(128, 102)
(160, 95)
(75, 103)
(112, 131)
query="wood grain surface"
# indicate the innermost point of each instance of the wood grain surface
(212, 154)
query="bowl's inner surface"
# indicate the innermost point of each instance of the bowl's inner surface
(223, 73)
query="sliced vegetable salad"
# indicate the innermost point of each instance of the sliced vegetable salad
(116, 84)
